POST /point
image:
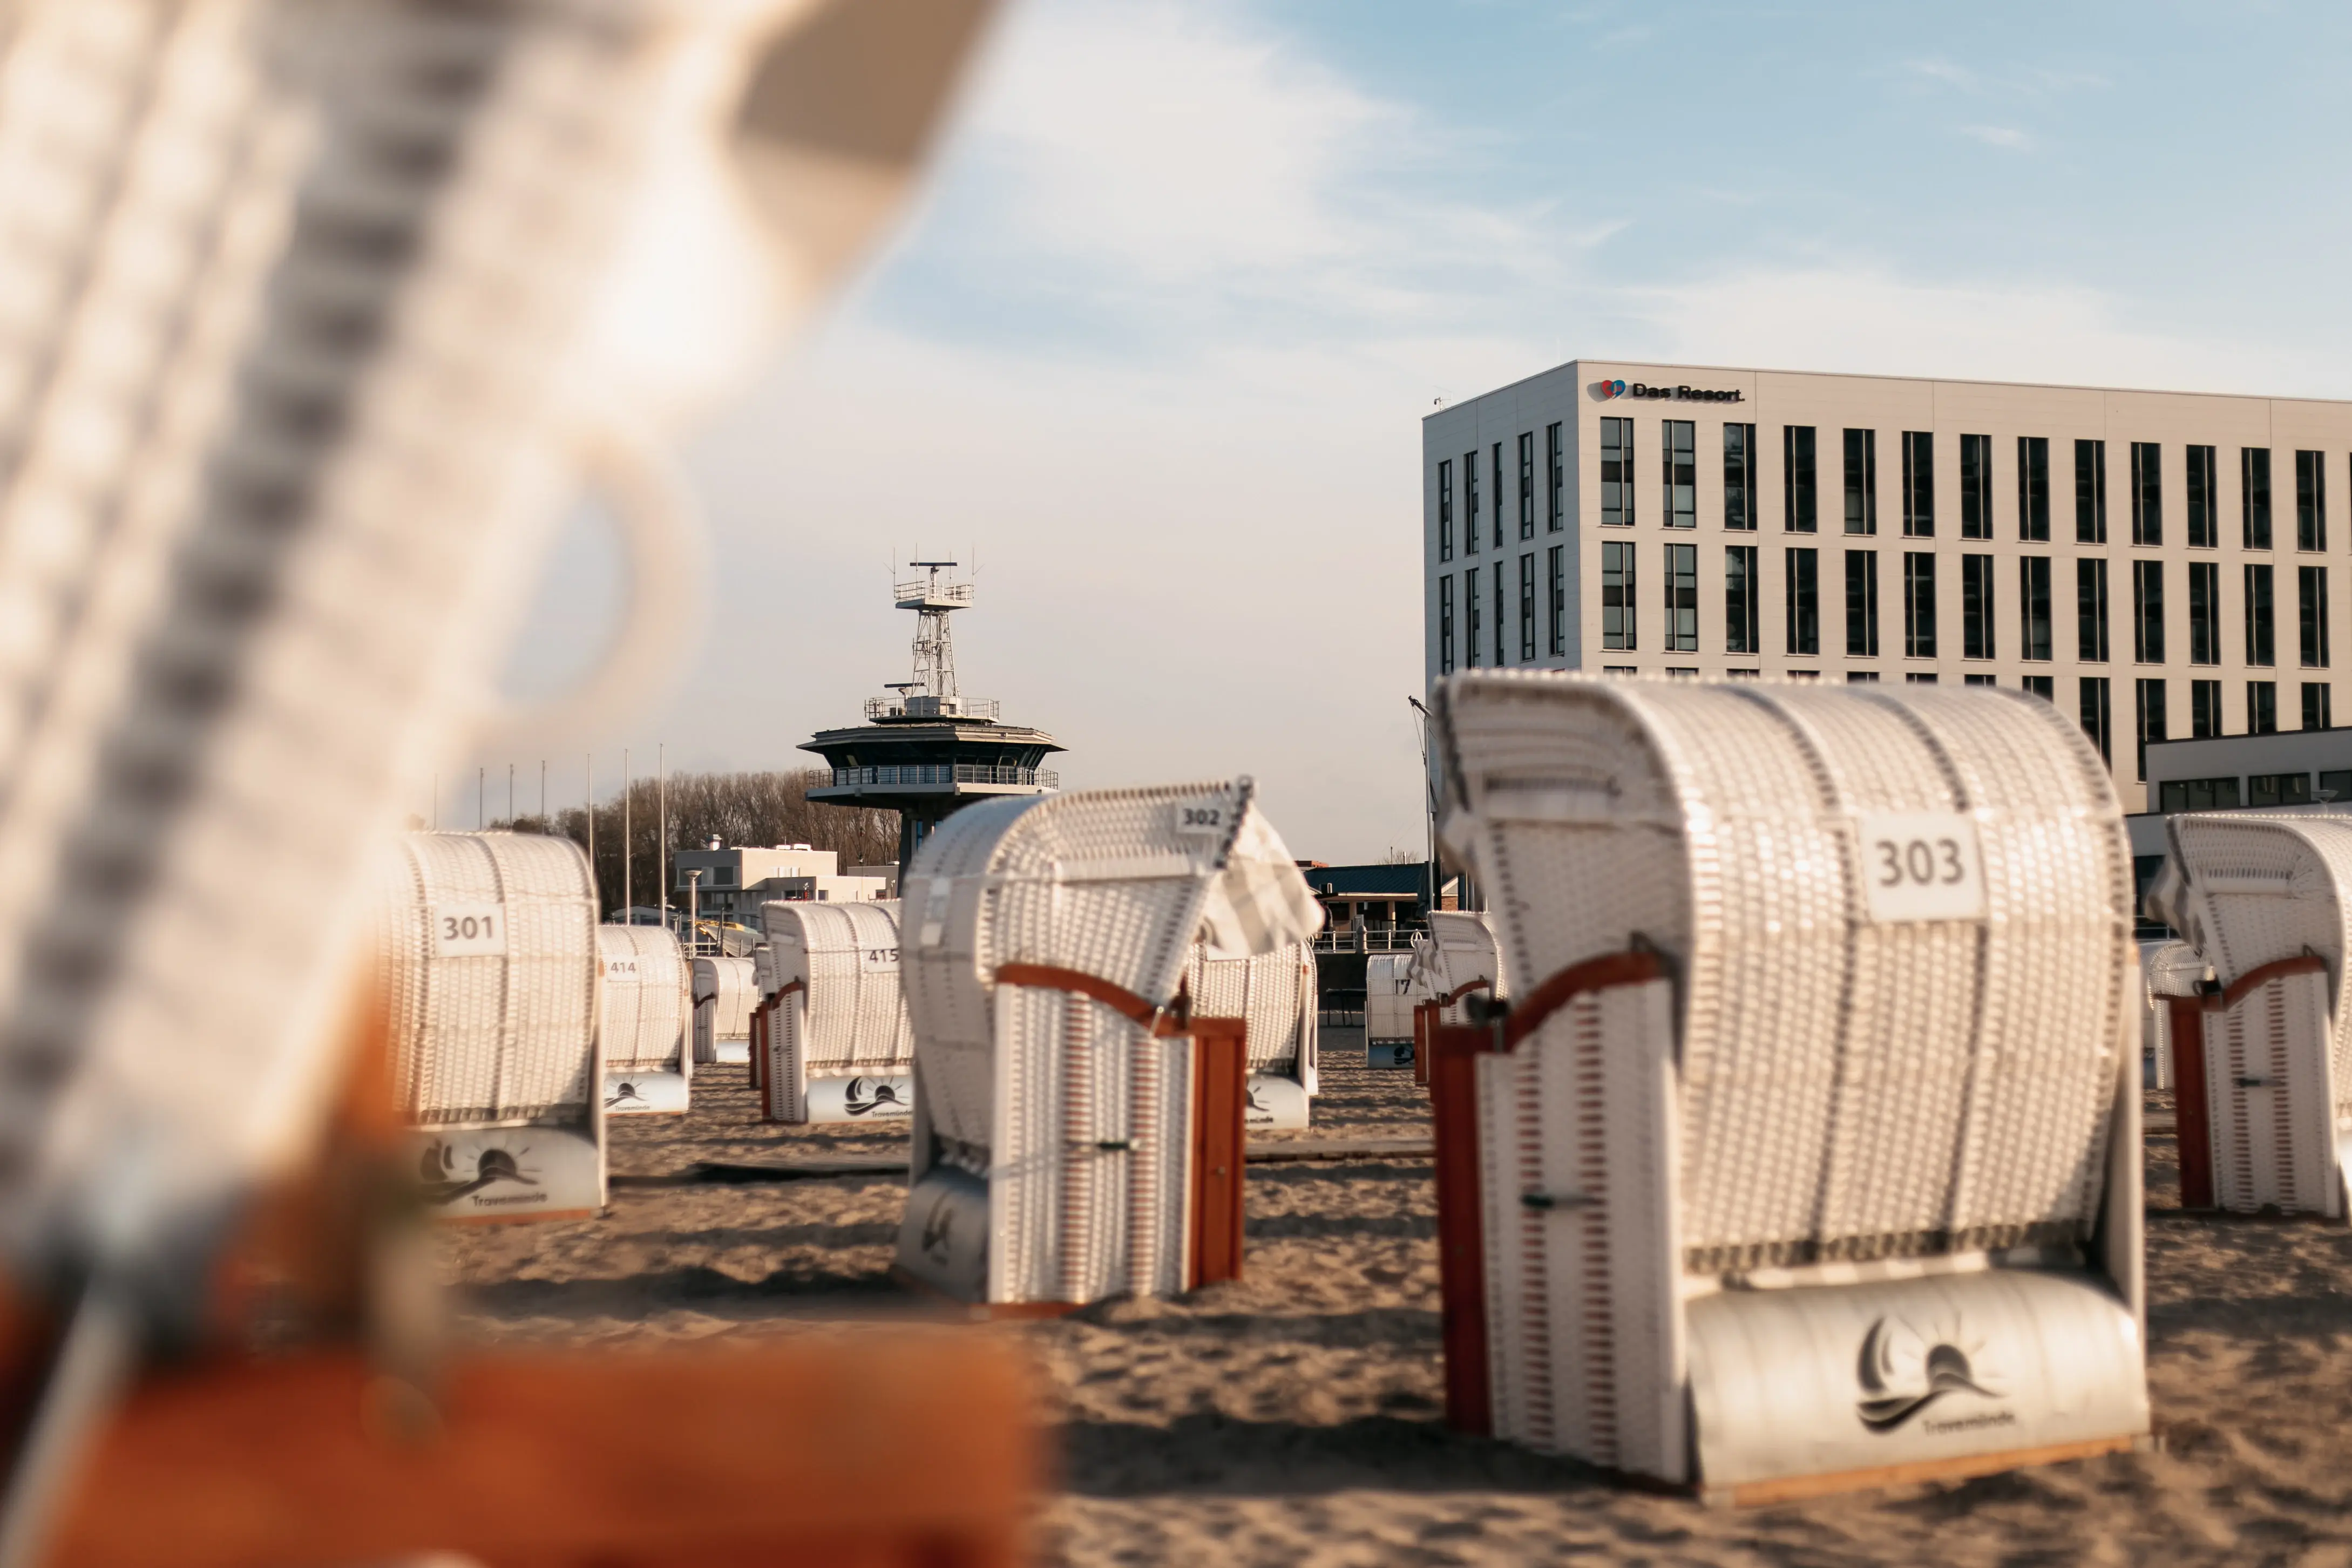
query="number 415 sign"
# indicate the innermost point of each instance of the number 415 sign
(1920, 866)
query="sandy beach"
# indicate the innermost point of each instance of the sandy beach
(1293, 1417)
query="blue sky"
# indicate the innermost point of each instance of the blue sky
(1158, 340)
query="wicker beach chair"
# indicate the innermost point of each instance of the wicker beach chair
(2261, 898)
(1078, 1134)
(1390, 994)
(835, 1041)
(1458, 966)
(725, 992)
(1274, 993)
(647, 1066)
(488, 961)
(1807, 1154)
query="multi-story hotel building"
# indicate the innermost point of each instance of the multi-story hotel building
(2158, 563)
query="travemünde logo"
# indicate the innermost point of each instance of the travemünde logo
(1902, 1373)
(1607, 390)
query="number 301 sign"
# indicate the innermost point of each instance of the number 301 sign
(468, 930)
(1921, 865)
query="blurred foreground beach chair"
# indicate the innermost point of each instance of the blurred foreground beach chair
(648, 1068)
(311, 317)
(1274, 994)
(726, 990)
(488, 965)
(834, 1044)
(1078, 1131)
(1458, 966)
(2260, 900)
(1806, 1156)
(1391, 997)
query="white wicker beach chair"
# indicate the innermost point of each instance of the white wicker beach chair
(647, 1067)
(488, 962)
(835, 1038)
(1806, 1155)
(2169, 972)
(1076, 1136)
(2262, 898)
(1390, 994)
(725, 992)
(1275, 994)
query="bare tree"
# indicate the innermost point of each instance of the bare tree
(758, 808)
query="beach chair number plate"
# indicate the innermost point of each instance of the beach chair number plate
(468, 930)
(1920, 866)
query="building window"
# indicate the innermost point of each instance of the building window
(2034, 489)
(2204, 612)
(2278, 788)
(2205, 711)
(1528, 609)
(1918, 484)
(2149, 701)
(2260, 644)
(2254, 481)
(1918, 604)
(2204, 500)
(1862, 481)
(2147, 493)
(1742, 620)
(1501, 658)
(2098, 723)
(1800, 480)
(1470, 608)
(1975, 607)
(2316, 709)
(1498, 506)
(1862, 603)
(2311, 609)
(1620, 669)
(1976, 487)
(1678, 450)
(1556, 456)
(1446, 510)
(1979, 681)
(1527, 485)
(1861, 677)
(1740, 476)
(1617, 596)
(1804, 590)
(2311, 501)
(2091, 611)
(2033, 607)
(1470, 537)
(2043, 686)
(2262, 707)
(1445, 625)
(2090, 492)
(2198, 794)
(1616, 473)
(1558, 564)
(1682, 599)
(2148, 611)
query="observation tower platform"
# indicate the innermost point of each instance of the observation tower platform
(928, 750)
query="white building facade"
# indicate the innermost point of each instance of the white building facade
(2160, 565)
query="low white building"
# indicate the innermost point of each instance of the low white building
(2157, 564)
(734, 882)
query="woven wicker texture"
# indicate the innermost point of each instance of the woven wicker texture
(1390, 994)
(1274, 992)
(492, 1038)
(1849, 1087)
(273, 450)
(1460, 949)
(850, 1015)
(2167, 969)
(725, 992)
(644, 1005)
(1077, 1120)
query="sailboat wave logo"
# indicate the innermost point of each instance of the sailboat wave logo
(1901, 1374)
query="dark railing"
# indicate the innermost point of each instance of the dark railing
(1366, 938)
(947, 773)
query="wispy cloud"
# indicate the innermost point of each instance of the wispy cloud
(2007, 137)
(1948, 72)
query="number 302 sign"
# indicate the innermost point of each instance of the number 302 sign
(1920, 866)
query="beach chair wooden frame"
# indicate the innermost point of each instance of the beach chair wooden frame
(1275, 994)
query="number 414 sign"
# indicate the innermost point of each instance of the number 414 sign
(1920, 866)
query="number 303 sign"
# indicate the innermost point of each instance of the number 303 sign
(1920, 866)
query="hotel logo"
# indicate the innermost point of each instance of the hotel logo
(1604, 390)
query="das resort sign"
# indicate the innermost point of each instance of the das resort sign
(1607, 390)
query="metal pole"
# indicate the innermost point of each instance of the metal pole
(661, 849)
(694, 911)
(543, 789)
(511, 817)
(595, 877)
(481, 798)
(437, 803)
(628, 895)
